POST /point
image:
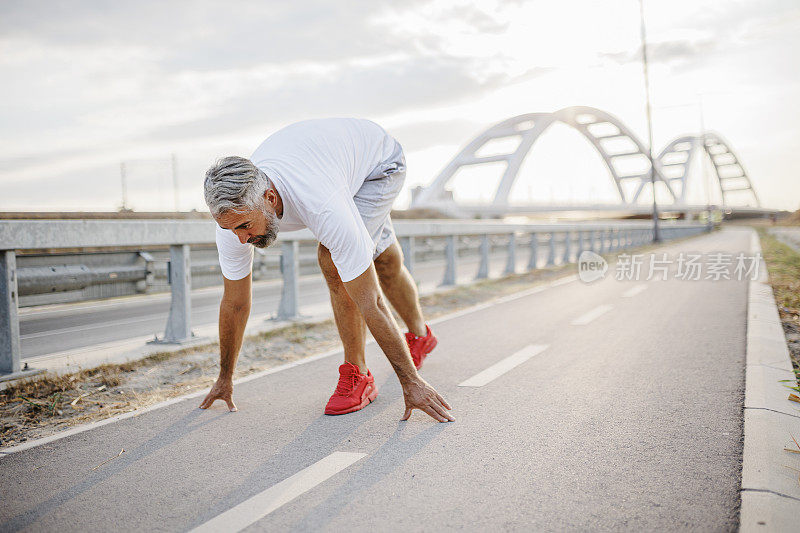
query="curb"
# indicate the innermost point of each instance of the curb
(770, 490)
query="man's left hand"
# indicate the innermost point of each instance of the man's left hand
(420, 395)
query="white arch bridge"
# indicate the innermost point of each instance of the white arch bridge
(620, 150)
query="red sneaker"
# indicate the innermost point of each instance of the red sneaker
(421, 346)
(353, 392)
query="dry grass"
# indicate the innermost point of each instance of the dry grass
(783, 265)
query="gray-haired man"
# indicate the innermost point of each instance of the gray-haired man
(339, 178)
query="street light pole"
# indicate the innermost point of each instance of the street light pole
(704, 164)
(124, 175)
(656, 231)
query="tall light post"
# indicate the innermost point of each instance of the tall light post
(656, 231)
(704, 164)
(124, 175)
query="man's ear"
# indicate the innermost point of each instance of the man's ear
(271, 198)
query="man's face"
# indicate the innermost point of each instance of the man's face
(258, 227)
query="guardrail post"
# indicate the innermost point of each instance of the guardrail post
(567, 251)
(581, 243)
(532, 262)
(551, 250)
(483, 268)
(407, 246)
(603, 239)
(511, 261)
(450, 254)
(9, 319)
(289, 307)
(179, 323)
(149, 275)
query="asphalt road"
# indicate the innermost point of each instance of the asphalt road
(609, 406)
(57, 328)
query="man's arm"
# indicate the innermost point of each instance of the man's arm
(233, 313)
(366, 294)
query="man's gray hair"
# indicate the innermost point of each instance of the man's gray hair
(234, 184)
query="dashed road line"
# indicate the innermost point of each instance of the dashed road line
(254, 509)
(500, 368)
(633, 291)
(591, 315)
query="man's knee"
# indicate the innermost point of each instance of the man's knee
(389, 263)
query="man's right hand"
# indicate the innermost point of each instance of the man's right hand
(222, 390)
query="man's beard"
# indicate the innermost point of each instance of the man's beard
(273, 225)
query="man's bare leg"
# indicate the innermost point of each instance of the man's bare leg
(399, 287)
(349, 322)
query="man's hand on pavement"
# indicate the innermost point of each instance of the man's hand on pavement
(420, 395)
(222, 390)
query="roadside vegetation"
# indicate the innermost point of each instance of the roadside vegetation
(783, 265)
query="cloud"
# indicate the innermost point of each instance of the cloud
(205, 34)
(89, 83)
(93, 76)
(667, 51)
(428, 134)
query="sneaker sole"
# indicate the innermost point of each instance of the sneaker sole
(370, 393)
(428, 349)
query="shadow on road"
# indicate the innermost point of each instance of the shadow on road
(179, 429)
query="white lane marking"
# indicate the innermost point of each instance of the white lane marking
(254, 509)
(498, 369)
(136, 300)
(564, 280)
(591, 315)
(528, 292)
(633, 291)
(76, 329)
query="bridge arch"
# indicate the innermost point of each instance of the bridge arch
(676, 159)
(597, 126)
(603, 131)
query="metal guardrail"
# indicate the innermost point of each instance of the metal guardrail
(179, 234)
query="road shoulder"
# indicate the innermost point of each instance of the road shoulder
(770, 485)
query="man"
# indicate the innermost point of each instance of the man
(339, 178)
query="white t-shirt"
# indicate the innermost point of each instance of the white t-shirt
(317, 166)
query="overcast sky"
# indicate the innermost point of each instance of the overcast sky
(88, 85)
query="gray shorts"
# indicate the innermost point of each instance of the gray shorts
(375, 198)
